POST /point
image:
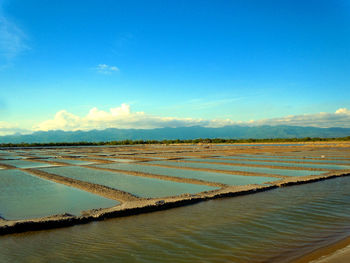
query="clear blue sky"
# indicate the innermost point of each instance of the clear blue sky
(240, 60)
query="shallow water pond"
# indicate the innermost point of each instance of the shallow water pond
(25, 164)
(307, 165)
(285, 172)
(69, 161)
(229, 179)
(24, 196)
(140, 186)
(270, 158)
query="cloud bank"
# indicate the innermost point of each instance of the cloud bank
(341, 118)
(123, 118)
(9, 129)
(119, 117)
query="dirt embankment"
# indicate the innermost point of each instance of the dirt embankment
(89, 187)
(162, 177)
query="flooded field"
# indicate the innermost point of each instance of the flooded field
(115, 181)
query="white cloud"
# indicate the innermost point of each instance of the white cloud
(343, 111)
(106, 69)
(341, 118)
(119, 117)
(9, 128)
(122, 117)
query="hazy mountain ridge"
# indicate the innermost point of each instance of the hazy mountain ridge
(228, 132)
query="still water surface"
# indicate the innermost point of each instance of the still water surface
(24, 196)
(274, 226)
(137, 185)
(229, 179)
(283, 159)
(239, 168)
(25, 164)
(307, 165)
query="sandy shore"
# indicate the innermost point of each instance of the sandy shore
(340, 256)
(338, 252)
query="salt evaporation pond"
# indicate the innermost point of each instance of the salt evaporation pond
(273, 226)
(139, 186)
(301, 155)
(69, 161)
(285, 172)
(269, 158)
(229, 179)
(11, 157)
(120, 160)
(25, 164)
(306, 165)
(23, 196)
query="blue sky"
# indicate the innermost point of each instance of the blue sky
(191, 61)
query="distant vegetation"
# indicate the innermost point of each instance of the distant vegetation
(194, 141)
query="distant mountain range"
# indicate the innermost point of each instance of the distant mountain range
(228, 132)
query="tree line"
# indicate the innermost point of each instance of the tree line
(177, 141)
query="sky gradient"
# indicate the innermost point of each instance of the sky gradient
(65, 64)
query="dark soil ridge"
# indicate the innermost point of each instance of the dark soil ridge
(161, 177)
(234, 172)
(97, 189)
(256, 165)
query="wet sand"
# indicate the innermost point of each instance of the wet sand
(338, 252)
(340, 256)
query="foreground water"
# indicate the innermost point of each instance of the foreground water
(274, 226)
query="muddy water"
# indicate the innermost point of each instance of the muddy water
(274, 226)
